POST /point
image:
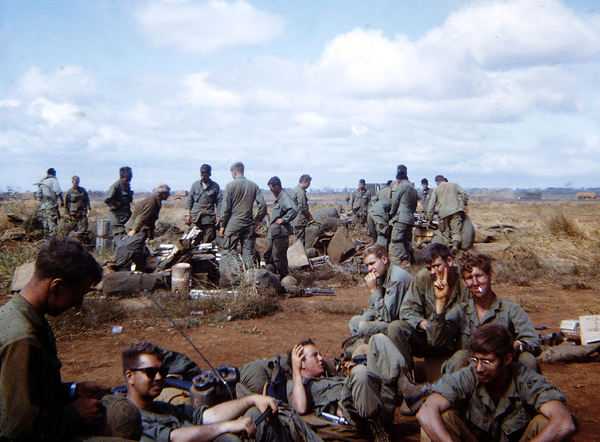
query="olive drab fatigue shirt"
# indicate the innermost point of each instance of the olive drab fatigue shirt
(204, 203)
(506, 422)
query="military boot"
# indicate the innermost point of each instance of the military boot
(379, 433)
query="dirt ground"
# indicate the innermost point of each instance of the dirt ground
(235, 343)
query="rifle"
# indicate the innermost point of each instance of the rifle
(312, 292)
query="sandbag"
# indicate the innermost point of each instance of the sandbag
(567, 352)
(127, 283)
(468, 232)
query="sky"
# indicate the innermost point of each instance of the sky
(490, 94)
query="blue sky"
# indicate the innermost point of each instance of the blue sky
(487, 93)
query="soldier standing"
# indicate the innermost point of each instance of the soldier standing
(451, 200)
(50, 195)
(304, 216)
(280, 229)
(238, 223)
(77, 205)
(402, 217)
(118, 198)
(360, 203)
(204, 204)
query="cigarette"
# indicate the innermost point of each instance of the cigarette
(480, 290)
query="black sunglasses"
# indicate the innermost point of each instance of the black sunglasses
(150, 372)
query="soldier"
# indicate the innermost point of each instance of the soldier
(366, 397)
(118, 198)
(424, 194)
(35, 405)
(378, 216)
(304, 216)
(451, 202)
(484, 307)
(494, 399)
(146, 375)
(78, 206)
(50, 195)
(204, 204)
(418, 307)
(284, 211)
(387, 284)
(402, 217)
(146, 212)
(360, 203)
(238, 223)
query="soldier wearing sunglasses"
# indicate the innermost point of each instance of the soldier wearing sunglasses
(145, 375)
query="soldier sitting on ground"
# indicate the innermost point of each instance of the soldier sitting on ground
(495, 399)
(366, 397)
(484, 307)
(145, 375)
(387, 284)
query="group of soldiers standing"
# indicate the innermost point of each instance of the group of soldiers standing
(390, 215)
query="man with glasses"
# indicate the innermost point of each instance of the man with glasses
(484, 307)
(495, 399)
(145, 375)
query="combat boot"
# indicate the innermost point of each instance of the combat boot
(379, 433)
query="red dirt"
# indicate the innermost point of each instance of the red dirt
(235, 343)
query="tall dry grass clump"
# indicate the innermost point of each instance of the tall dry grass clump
(559, 224)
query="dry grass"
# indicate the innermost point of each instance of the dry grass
(554, 242)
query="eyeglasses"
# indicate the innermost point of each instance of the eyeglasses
(150, 372)
(485, 362)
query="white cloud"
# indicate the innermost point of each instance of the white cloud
(207, 26)
(64, 83)
(108, 137)
(480, 52)
(10, 103)
(200, 93)
(310, 120)
(55, 113)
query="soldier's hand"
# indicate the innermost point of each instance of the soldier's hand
(264, 402)
(217, 220)
(441, 287)
(187, 220)
(297, 357)
(89, 411)
(222, 232)
(371, 281)
(242, 424)
(256, 223)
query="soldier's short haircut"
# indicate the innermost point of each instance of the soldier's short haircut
(303, 343)
(274, 181)
(435, 251)
(470, 260)
(205, 168)
(162, 189)
(125, 172)
(51, 171)
(492, 339)
(68, 260)
(376, 249)
(237, 167)
(361, 181)
(388, 183)
(440, 179)
(132, 353)
(304, 178)
(75, 177)
(402, 173)
(424, 181)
